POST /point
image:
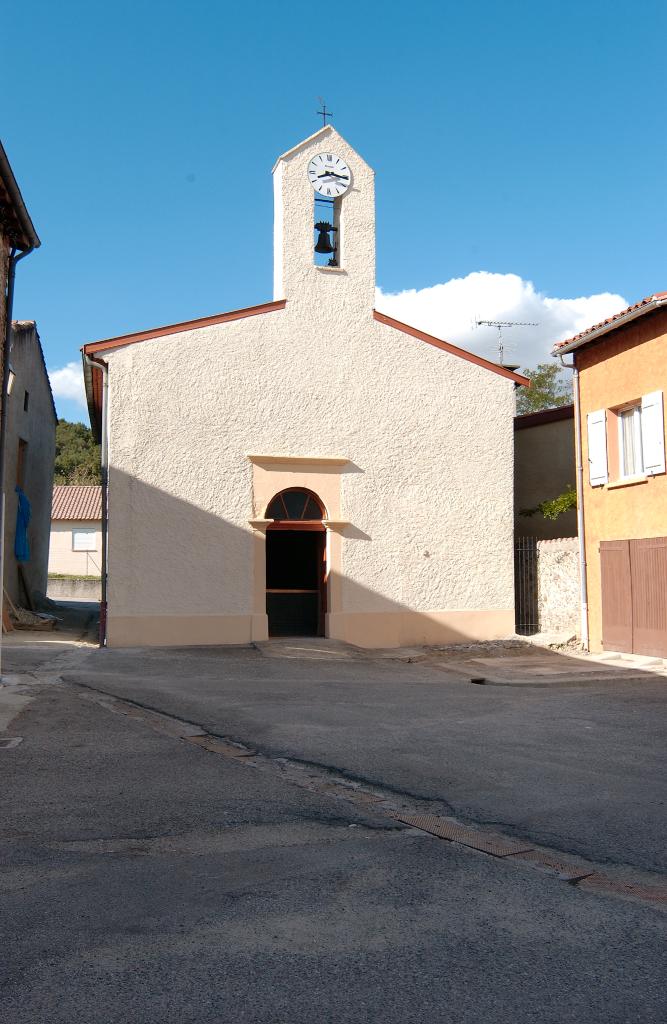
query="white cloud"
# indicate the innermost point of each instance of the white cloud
(67, 383)
(449, 311)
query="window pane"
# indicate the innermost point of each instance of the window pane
(295, 502)
(275, 509)
(313, 510)
(631, 442)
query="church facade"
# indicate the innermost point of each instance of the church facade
(308, 466)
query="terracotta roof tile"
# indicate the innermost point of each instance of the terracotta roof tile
(77, 501)
(611, 320)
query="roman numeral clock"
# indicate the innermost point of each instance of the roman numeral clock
(330, 177)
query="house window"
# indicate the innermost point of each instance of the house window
(630, 450)
(295, 503)
(26, 399)
(627, 442)
(84, 540)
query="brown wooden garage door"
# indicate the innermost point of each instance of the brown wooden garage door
(634, 595)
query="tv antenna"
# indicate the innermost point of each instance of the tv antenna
(504, 323)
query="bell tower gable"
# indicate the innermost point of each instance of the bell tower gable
(323, 181)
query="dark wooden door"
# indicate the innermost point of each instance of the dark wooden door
(648, 568)
(295, 575)
(634, 596)
(616, 586)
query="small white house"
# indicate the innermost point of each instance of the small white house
(76, 531)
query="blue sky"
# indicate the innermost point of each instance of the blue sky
(519, 151)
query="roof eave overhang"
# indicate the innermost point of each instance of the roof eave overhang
(454, 350)
(92, 377)
(24, 235)
(94, 407)
(94, 347)
(599, 332)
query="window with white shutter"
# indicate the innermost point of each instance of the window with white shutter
(653, 434)
(597, 448)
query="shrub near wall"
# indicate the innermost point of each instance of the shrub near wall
(558, 585)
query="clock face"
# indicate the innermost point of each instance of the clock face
(329, 175)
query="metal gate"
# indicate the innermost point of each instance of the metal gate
(526, 618)
(634, 596)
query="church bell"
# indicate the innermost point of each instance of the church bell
(323, 245)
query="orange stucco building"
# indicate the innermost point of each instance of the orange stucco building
(621, 377)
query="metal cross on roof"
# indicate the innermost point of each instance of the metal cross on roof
(324, 113)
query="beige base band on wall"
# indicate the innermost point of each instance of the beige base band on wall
(364, 629)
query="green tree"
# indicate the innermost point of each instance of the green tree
(77, 455)
(556, 506)
(548, 389)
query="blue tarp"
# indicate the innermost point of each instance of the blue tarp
(21, 545)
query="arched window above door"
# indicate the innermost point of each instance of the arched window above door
(295, 504)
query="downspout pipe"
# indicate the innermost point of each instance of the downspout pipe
(583, 578)
(14, 257)
(104, 473)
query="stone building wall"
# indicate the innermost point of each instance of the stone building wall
(31, 425)
(558, 600)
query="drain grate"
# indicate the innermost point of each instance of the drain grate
(485, 842)
(603, 885)
(567, 870)
(218, 746)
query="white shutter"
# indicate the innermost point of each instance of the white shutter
(653, 434)
(597, 447)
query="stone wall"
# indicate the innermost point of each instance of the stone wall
(73, 589)
(558, 598)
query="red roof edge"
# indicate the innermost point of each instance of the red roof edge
(186, 325)
(647, 305)
(453, 350)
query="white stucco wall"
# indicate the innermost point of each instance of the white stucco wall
(427, 491)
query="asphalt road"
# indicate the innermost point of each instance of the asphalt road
(578, 768)
(147, 880)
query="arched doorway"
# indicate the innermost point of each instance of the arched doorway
(296, 569)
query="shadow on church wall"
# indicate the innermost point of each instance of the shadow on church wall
(171, 560)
